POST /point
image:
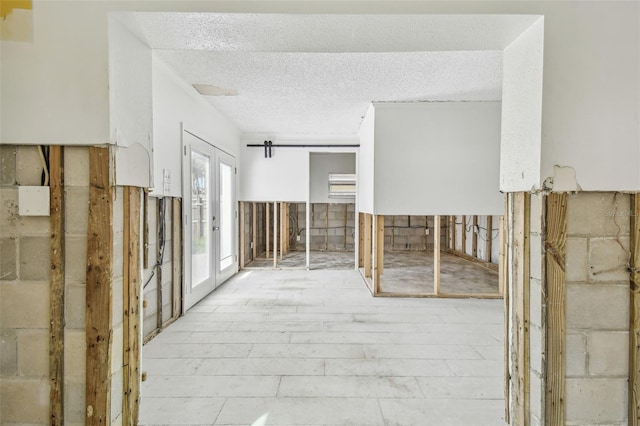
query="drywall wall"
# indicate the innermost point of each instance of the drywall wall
(321, 164)
(130, 104)
(522, 111)
(365, 161)
(437, 158)
(176, 103)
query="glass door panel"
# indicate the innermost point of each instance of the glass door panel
(201, 231)
(227, 210)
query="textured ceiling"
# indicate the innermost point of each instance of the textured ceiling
(316, 74)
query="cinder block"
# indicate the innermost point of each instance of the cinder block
(24, 305)
(596, 401)
(8, 353)
(28, 166)
(76, 166)
(24, 401)
(598, 213)
(576, 261)
(9, 218)
(75, 355)
(75, 255)
(74, 402)
(33, 353)
(75, 307)
(8, 261)
(35, 255)
(7, 165)
(608, 259)
(117, 347)
(576, 354)
(597, 307)
(609, 353)
(76, 210)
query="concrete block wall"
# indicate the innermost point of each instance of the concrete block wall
(327, 227)
(408, 233)
(598, 229)
(24, 295)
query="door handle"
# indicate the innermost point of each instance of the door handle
(215, 228)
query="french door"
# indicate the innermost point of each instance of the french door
(209, 208)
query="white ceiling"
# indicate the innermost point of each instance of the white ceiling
(317, 74)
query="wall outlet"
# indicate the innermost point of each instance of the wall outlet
(298, 238)
(480, 253)
(426, 231)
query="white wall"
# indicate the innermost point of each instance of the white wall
(366, 161)
(520, 148)
(176, 102)
(130, 109)
(437, 158)
(321, 164)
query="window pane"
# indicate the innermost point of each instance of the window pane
(226, 217)
(200, 229)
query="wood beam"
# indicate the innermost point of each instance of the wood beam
(378, 252)
(488, 239)
(145, 227)
(454, 219)
(463, 235)
(503, 289)
(131, 304)
(436, 254)
(176, 250)
(242, 238)
(367, 245)
(275, 234)
(57, 283)
(99, 302)
(555, 292)
(254, 231)
(282, 216)
(360, 240)
(267, 224)
(474, 237)
(634, 300)
(160, 217)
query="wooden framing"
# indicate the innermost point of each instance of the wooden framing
(346, 220)
(474, 237)
(378, 252)
(99, 302)
(254, 231)
(275, 234)
(282, 217)
(521, 296)
(367, 245)
(503, 289)
(436, 254)
(634, 320)
(160, 216)
(360, 240)
(326, 228)
(463, 235)
(176, 240)
(491, 266)
(145, 227)
(555, 293)
(131, 306)
(57, 291)
(242, 238)
(267, 224)
(488, 239)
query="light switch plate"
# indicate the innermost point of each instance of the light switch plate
(33, 200)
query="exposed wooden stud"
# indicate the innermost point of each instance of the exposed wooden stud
(378, 252)
(98, 290)
(463, 235)
(267, 225)
(488, 239)
(360, 240)
(296, 214)
(282, 217)
(275, 234)
(346, 220)
(454, 219)
(131, 306)
(254, 231)
(57, 293)
(176, 250)
(160, 207)
(393, 233)
(242, 237)
(555, 247)
(502, 255)
(436, 254)
(326, 228)
(634, 300)
(145, 227)
(474, 237)
(367, 245)
(503, 289)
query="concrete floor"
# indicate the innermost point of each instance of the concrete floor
(314, 348)
(336, 260)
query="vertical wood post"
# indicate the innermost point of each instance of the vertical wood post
(454, 219)
(436, 254)
(275, 234)
(160, 217)
(326, 228)
(176, 239)
(254, 231)
(360, 240)
(57, 293)
(131, 305)
(242, 236)
(503, 288)
(267, 224)
(99, 300)
(378, 251)
(346, 220)
(367, 245)
(474, 237)
(463, 234)
(555, 292)
(488, 239)
(282, 217)
(634, 300)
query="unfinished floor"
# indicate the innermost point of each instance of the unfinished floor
(314, 348)
(335, 260)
